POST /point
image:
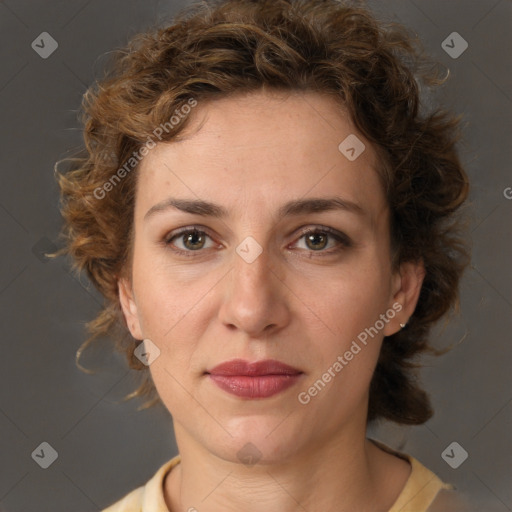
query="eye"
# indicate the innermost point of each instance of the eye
(324, 239)
(321, 239)
(189, 240)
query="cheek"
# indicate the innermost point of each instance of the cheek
(349, 306)
(343, 363)
(351, 300)
(167, 295)
(174, 309)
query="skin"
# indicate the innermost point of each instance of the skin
(295, 303)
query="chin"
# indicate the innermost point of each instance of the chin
(266, 440)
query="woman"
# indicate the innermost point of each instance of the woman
(265, 202)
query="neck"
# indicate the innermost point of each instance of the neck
(345, 475)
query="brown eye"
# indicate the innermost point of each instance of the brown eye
(194, 240)
(316, 241)
(188, 240)
(323, 240)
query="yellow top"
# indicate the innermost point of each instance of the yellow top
(421, 492)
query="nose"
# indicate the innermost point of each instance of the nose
(255, 298)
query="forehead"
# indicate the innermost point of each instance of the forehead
(260, 150)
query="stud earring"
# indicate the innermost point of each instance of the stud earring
(403, 325)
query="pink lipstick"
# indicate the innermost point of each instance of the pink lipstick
(260, 379)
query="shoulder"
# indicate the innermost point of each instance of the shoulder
(450, 501)
(132, 502)
(149, 497)
(421, 490)
(424, 491)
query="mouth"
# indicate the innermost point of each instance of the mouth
(260, 379)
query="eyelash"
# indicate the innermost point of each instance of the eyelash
(341, 238)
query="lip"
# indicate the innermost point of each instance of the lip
(259, 379)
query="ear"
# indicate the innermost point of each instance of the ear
(406, 287)
(129, 307)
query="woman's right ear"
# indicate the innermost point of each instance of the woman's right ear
(129, 307)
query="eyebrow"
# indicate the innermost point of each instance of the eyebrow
(292, 208)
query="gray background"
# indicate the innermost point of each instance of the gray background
(105, 447)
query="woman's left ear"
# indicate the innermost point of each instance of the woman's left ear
(406, 292)
(129, 307)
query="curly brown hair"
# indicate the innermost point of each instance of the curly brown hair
(375, 70)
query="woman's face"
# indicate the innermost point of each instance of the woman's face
(255, 283)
